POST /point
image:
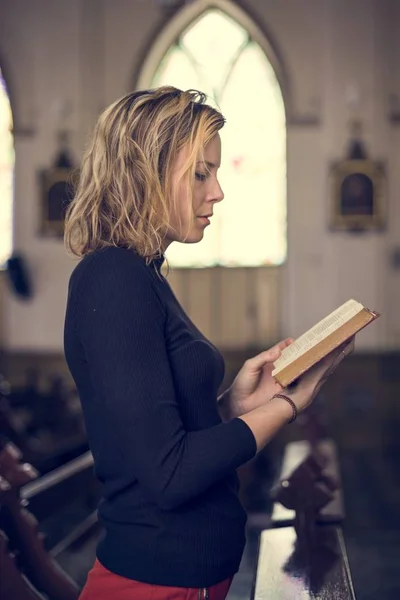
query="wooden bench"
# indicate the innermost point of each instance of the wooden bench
(14, 586)
(32, 558)
(296, 455)
(43, 426)
(51, 494)
(302, 554)
(289, 568)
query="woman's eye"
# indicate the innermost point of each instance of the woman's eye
(200, 176)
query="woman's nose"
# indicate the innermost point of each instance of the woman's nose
(217, 193)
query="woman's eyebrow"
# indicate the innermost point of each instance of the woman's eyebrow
(208, 164)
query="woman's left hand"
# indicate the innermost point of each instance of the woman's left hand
(254, 384)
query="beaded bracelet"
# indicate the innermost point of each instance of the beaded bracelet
(292, 404)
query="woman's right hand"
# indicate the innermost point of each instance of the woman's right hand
(309, 384)
(266, 420)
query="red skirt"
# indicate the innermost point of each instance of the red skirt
(101, 584)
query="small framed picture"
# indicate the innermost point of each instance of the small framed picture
(358, 196)
(57, 187)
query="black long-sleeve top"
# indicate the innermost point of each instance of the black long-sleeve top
(148, 382)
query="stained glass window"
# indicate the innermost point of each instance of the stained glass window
(6, 174)
(216, 55)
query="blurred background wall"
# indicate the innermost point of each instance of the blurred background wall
(63, 62)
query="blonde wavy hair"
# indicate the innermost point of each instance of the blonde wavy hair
(125, 193)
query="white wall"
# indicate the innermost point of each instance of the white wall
(40, 47)
(329, 46)
(359, 47)
(86, 52)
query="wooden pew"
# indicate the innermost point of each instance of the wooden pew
(14, 585)
(36, 556)
(46, 427)
(302, 554)
(295, 458)
(289, 568)
(51, 495)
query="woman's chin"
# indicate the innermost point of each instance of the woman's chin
(194, 237)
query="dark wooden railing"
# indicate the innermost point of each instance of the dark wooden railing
(29, 505)
(302, 554)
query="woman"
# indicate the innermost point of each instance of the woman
(164, 449)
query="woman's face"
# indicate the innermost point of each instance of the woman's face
(189, 220)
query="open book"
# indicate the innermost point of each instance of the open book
(320, 340)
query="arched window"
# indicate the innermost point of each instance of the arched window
(6, 174)
(219, 56)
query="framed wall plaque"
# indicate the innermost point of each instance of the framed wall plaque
(57, 187)
(358, 195)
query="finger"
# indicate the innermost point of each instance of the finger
(340, 354)
(268, 356)
(335, 363)
(344, 350)
(285, 343)
(326, 365)
(282, 344)
(349, 348)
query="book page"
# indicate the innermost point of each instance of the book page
(316, 334)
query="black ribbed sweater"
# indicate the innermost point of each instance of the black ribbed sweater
(148, 383)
